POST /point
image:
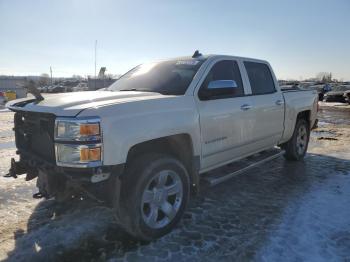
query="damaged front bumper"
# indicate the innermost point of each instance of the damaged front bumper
(56, 181)
(37, 139)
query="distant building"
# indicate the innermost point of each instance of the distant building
(102, 72)
(95, 84)
(13, 83)
(101, 81)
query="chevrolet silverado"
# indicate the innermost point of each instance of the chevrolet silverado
(143, 143)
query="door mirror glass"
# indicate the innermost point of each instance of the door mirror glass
(219, 84)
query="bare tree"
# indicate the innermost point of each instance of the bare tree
(324, 77)
(78, 77)
(44, 79)
(112, 76)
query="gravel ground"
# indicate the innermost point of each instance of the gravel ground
(290, 211)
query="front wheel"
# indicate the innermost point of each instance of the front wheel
(154, 195)
(296, 147)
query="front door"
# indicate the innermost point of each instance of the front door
(224, 117)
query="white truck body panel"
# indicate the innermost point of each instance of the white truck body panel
(129, 124)
(70, 104)
(220, 130)
(295, 102)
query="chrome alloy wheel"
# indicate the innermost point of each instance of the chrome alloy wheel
(302, 139)
(161, 199)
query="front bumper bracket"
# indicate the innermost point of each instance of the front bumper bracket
(17, 168)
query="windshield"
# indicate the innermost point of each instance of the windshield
(170, 77)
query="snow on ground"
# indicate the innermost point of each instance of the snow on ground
(334, 105)
(281, 211)
(315, 227)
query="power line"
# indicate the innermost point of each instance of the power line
(51, 74)
(95, 60)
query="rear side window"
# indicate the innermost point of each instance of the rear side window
(260, 78)
(225, 70)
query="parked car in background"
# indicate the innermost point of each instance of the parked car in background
(321, 90)
(347, 96)
(337, 94)
(57, 89)
(43, 89)
(49, 88)
(69, 84)
(3, 98)
(69, 89)
(10, 95)
(81, 87)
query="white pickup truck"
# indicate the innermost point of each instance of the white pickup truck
(144, 142)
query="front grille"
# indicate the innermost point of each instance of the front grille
(35, 134)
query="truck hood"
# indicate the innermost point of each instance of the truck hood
(71, 104)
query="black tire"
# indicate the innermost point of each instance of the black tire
(293, 149)
(139, 176)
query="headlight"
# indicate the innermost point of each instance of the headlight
(78, 142)
(77, 129)
(78, 155)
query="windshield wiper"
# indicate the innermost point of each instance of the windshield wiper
(140, 90)
(130, 89)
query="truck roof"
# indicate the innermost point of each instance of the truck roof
(236, 57)
(217, 56)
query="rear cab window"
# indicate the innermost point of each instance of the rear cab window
(260, 78)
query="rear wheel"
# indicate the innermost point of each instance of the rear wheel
(154, 194)
(296, 147)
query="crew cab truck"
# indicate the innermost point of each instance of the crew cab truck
(144, 142)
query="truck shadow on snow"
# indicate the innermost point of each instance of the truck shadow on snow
(229, 220)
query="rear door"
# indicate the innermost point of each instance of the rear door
(267, 105)
(224, 119)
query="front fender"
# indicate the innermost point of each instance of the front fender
(126, 125)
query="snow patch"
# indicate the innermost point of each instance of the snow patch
(60, 233)
(316, 227)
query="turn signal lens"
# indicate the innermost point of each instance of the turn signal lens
(89, 129)
(90, 154)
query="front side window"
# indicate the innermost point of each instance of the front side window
(260, 78)
(170, 77)
(223, 70)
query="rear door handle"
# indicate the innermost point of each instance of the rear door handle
(245, 107)
(279, 102)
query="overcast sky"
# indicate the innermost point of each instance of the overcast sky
(300, 38)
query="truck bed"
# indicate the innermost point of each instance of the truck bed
(297, 100)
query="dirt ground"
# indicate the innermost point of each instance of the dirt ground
(281, 211)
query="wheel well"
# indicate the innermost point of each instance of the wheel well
(179, 146)
(304, 115)
(301, 115)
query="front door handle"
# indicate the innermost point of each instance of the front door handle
(245, 107)
(279, 102)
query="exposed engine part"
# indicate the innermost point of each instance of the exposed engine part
(17, 168)
(42, 183)
(38, 195)
(99, 176)
(31, 174)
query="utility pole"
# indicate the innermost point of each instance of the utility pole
(51, 74)
(95, 61)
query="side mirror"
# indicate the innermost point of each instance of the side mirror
(218, 89)
(218, 84)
